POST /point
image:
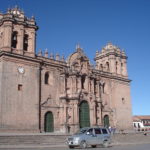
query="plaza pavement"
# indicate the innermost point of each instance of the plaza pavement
(24, 140)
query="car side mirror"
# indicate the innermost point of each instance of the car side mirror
(88, 133)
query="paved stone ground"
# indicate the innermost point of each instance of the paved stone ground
(119, 147)
(131, 138)
(54, 140)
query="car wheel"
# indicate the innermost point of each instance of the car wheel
(71, 147)
(93, 146)
(105, 144)
(83, 144)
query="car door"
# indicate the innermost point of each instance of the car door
(99, 135)
(91, 137)
(106, 134)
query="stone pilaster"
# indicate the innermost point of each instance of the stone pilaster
(112, 64)
(7, 36)
(63, 85)
(64, 115)
(125, 73)
(92, 85)
(74, 84)
(31, 43)
(119, 68)
(92, 114)
(79, 84)
(20, 39)
(76, 116)
(86, 83)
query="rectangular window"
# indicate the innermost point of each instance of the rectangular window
(19, 87)
(104, 131)
(97, 131)
(90, 131)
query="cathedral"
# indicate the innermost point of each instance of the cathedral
(46, 93)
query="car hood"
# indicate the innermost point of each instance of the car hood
(75, 136)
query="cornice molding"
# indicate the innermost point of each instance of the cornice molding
(110, 76)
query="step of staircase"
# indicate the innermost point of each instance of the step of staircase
(32, 139)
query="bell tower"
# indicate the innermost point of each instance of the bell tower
(112, 59)
(115, 88)
(17, 32)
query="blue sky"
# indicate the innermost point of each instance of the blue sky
(93, 23)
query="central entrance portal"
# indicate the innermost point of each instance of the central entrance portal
(84, 115)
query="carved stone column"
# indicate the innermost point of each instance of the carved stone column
(61, 112)
(31, 43)
(99, 114)
(74, 84)
(71, 85)
(63, 85)
(92, 85)
(91, 114)
(119, 67)
(7, 36)
(20, 39)
(64, 119)
(76, 116)
(98, 90)
(125, 73)
(112, 64)
(86, 83)
(79, 84)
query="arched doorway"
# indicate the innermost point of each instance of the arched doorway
(49, 122)
(84, 116)
(106, 121)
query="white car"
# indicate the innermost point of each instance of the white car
(90, 136)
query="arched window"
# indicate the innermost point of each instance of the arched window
(101, 67)
(95, 84)
(123, 100)
(103, 88)
(14, 39)
(121, 67)
(107, 66)
(116, 66)
(25, 44)
(46, 79)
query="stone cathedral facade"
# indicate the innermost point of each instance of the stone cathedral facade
(42, 93)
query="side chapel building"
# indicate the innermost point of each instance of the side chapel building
(39, 93)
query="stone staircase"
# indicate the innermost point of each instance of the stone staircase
(33, 139)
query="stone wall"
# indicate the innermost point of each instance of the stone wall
(20, 95)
